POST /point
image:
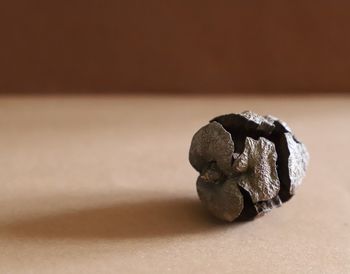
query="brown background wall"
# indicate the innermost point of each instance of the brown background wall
(178, 46)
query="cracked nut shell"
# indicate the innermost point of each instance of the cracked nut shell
(248, 164)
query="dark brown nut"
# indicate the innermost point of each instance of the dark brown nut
(248, 164)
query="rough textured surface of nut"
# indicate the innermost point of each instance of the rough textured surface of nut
(212, 143)
(248, 164)
(297, 161)
(257, 169)
(223, 200)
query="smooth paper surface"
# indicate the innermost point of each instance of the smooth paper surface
(104, 185)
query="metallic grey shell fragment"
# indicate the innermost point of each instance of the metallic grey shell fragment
(212, 143)
(257, 165)
(264, 124)
(224, 201)
(297, 161)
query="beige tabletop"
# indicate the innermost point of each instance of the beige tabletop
(103, 185)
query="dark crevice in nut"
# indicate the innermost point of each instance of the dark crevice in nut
(282, 165)
(249, 211)
(212, 174)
